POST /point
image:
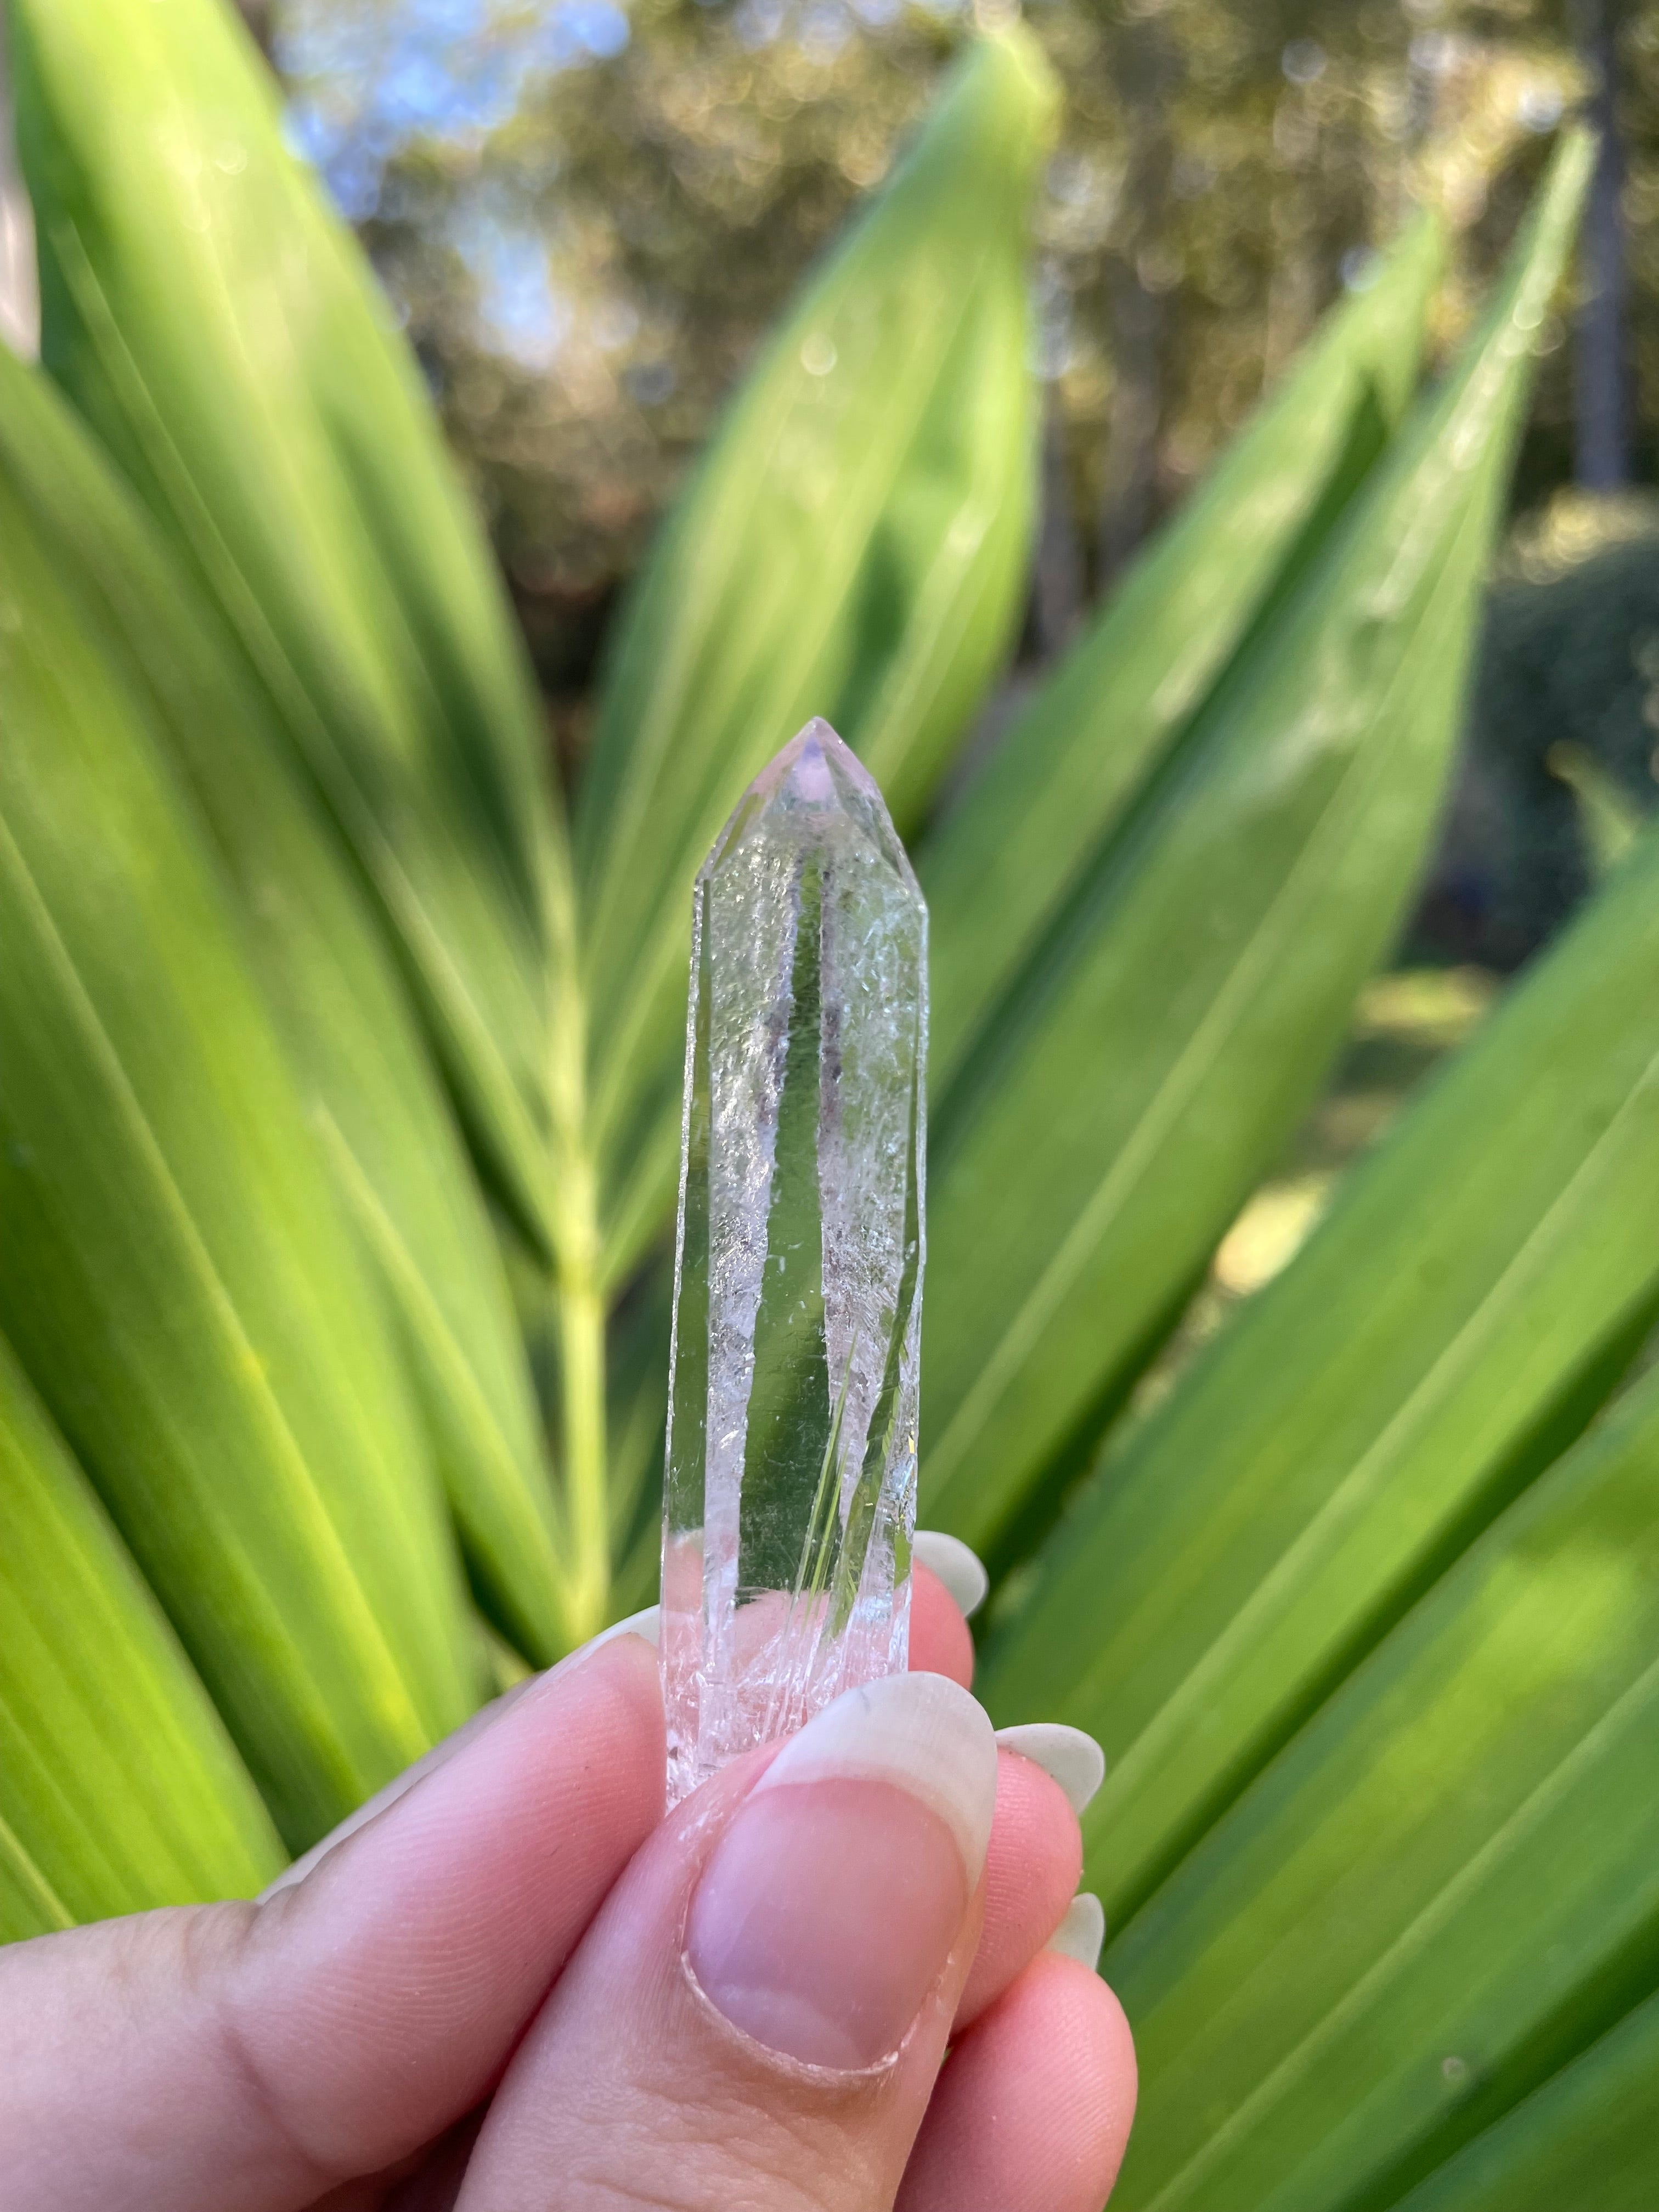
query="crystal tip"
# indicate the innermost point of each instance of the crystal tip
(816, 773)
(811, 765)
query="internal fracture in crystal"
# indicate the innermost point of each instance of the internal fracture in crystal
(790, 1497)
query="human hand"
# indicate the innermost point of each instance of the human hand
(509, 1986)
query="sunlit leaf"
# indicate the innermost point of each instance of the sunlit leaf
(216, 324)
(853, 545)
(330, 978)
(1182, 1014)
(179, 1282)
(1001, 869)
(1461, 1303)
(119, 1787)
(1440, 1893)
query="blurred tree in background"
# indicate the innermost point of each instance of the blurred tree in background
(588, 215)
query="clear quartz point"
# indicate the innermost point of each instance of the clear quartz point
(790, 1499)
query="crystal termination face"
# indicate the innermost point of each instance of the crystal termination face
(789, 1504)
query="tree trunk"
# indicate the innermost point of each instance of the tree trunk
(1129, 506)
(1057, 583)
(1601, 389)
(260, 16)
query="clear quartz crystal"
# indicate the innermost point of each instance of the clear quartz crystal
(790, 1499)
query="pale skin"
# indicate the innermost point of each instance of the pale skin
(515, 1987)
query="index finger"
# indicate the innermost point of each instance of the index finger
(258, 2055)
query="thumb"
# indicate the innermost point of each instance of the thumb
(759, 2012)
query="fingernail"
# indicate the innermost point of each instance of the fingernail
(1081, 1933)
(647, 1623)
(961, 1571)
(830, 1906)
(1069, 1757)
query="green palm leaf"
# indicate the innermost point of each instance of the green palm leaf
(1331, 1995)
(1585, 2139)
(853, 545)
(1184, 1010)
(119, 1787)
(178, 1283)
(1458, 1310)
(1000, 869)
(338, 1000)
(216, 325)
